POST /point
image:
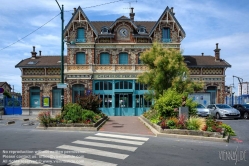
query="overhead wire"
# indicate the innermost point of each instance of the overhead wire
(52, 19)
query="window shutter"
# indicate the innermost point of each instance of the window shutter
(104, 58)
(123, 58)
(80, 58)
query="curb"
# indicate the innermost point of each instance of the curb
(193, 137)
(10, 122)
(75, 128)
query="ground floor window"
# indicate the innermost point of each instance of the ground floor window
(213, 91)
(77, 91)
(34, 94)
(56, 97)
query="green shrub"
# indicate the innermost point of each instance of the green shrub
(171, 124)
(44, 118)
(228, 129)
(170, 100)
(72, 112)
(88, 116)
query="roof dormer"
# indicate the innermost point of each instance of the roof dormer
(104, 30)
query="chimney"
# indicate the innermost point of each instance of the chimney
(33, 54)
(132, 14)
(39, 53)
(217, 53)
(202, 54)
(74, 11)
(172, 10)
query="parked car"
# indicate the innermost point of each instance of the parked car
(243, 109)
(223, 111)
(202, 110)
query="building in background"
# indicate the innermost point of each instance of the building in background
(103, 59)
(245, 88)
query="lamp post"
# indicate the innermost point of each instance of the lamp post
(62, 54)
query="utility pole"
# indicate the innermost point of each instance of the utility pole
(240, 82)
(62, 54)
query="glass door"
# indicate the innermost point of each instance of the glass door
(123, 104)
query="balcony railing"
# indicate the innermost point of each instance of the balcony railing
(166, 40)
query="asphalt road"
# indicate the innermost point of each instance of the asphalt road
(21, 140)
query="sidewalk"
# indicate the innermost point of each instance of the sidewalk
(126, 124)
(18, 117)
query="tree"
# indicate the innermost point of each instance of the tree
(167, 69)
(7, 94)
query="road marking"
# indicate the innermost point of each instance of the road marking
(122, 136)
(94, 151)
(115, 140)
(128, 148)
(26, 161)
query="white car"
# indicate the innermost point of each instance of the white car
(202, 110)
(223, 111)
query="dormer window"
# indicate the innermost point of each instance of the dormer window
(104, 30)
(141, 29)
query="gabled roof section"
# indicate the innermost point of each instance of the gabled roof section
(42, 61)
(172, 15)
(204, 61)
(123, 18)
(74, 17)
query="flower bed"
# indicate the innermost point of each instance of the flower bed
(221, 135)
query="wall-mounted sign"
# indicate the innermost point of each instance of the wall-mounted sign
(45, 101)
(1, 90)
(96, 76)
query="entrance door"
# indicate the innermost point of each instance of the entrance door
(123, 104)
(35, 97)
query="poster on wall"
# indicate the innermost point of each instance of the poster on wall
(45, 101)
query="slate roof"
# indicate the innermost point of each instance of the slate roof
(191, 61)
(204, 61)
(42, 61)
(99, 24)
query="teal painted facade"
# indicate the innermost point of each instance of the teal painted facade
(121, 97)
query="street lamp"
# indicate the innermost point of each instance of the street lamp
(62, 54)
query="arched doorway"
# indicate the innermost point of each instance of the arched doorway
(213, 93)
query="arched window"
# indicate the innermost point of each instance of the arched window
(139, 61)
(166, 35)
(104, 58)
(56, 94)
(123, 58)
(104, 29)
(35, 97)
(80, 58)
(78, 91)
(80, 35)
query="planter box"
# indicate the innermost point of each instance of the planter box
(75, 126)
(183, 133)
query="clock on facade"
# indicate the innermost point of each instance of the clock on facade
(123, 32)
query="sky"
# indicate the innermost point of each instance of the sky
(205, 22)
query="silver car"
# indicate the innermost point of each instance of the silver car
(202, 110)
(223, 111)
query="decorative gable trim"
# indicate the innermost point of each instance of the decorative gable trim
(123, 19)
(168, 14)
(77, 13)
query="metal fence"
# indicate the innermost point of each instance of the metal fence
(231, 100)
(12, 106)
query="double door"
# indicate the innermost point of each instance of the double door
(124, 104)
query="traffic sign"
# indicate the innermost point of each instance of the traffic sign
(62, 85)
(1, 90)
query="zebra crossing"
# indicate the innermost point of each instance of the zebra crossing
(100, 145)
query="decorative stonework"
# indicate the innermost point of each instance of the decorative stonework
(79, 67)
(37, 71)
(195, 71)
(141, 68)
(46, 90)
(89, 53)
(114, 57)
(53, 71)
(211, 71)
(124, 67)
(104, 67)
(71, 56)
(133, 57)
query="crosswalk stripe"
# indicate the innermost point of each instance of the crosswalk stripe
(128, 148)
(94, 151)
(62, 157)
(115, 140)
(26, 161)
(122, 136)
(73, 159)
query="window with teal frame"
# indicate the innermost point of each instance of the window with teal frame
(80, 35)
(80, 58)
(166, 35)
(56, 98)
(123, 58)
(104, 58)
(139, 61)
